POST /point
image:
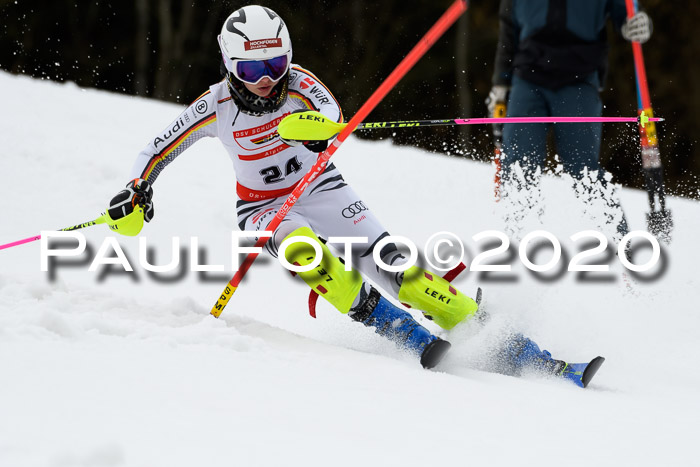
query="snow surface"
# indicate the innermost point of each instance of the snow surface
(124, 370)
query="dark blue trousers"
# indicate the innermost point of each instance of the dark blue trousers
(578, 144)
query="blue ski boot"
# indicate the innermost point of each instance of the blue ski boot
(399, 327)
(521, 353)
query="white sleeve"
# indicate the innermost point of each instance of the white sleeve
(197, 121)
(309, 92)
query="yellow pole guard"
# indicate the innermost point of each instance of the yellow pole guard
(129, 225)
(223, 300)
(649, 128)
(499, 110)
(308, 126)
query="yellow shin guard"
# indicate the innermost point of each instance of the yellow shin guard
(436, 298)
(329, 278)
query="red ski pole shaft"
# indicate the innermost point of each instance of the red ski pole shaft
(651, 159)
(438, 29)
(640, 69)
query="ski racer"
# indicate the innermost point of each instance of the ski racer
(261, 86)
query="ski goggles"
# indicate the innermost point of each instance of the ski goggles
(252, 71)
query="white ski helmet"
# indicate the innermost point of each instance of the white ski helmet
(255, 33)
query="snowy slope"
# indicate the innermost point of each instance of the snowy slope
(125, 370)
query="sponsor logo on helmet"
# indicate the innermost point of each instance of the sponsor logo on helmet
(262, 44)
(354, 209)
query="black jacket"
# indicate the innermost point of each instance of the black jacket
(554, 43)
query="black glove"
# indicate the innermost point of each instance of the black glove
(138, 192)
(313, 146)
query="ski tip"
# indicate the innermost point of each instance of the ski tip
(434, 353)
(591, 369)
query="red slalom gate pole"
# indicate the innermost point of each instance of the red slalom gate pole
(438, 29)
(659, 222)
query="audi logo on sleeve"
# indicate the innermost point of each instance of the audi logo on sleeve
(354, 209)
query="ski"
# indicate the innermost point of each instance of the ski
(582, 373)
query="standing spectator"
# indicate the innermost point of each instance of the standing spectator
(552, 61)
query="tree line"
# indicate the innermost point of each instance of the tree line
(167, 49)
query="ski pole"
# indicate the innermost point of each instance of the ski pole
(659, 223)
(129, 225)
(100, 220)
(502, 120)
(435, 32)
(293, 128)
